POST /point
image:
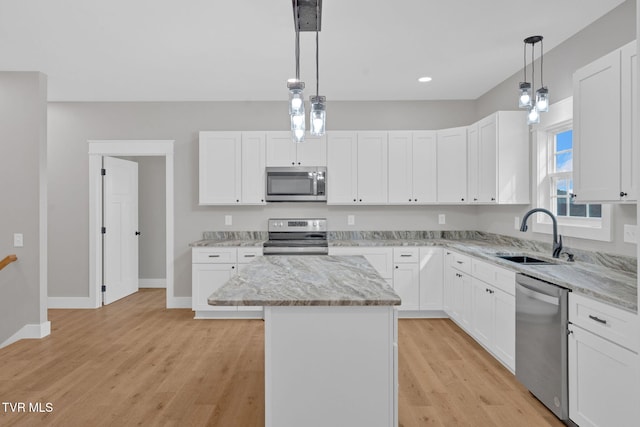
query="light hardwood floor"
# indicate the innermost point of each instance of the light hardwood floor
(136, 363)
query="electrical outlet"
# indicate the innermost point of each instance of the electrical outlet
(442, 219)
(228, 220)
(516, 223)
(351, 219)
(630, 233)
(18, 240)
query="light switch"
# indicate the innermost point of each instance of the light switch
(442, 219)
(228, 220)
(18, 240)
(351, 219)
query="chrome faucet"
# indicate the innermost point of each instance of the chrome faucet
(557, 240)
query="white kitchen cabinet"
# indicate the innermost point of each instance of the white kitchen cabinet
(231, 168)
(452, 165)
(212, 267)
(604, 381)
(282, 151)
(458, 288)
(604, 116)
(412, 167)
(220, 168)
(498, 159)
(431, 278)
(406, 276)
(357, 168)
(380, 258)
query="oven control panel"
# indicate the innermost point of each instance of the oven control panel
(297, 224)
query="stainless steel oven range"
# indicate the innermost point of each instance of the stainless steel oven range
(297, 236)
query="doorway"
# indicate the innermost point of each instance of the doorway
(138, 148)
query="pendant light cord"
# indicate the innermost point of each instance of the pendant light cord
(297, 18)
(317, 48)
(541, 63)
(524, 61)
(533, 68)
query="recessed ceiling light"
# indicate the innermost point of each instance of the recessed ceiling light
(424, 79)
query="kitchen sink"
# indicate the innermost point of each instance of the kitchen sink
(525, 259)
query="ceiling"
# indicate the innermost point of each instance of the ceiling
(213, 50)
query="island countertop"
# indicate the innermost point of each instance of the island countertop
(306, 280)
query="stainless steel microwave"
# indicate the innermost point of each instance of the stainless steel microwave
(297, 184)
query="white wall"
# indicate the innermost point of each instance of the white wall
(610, 32)
(23, 284)
(71, 124)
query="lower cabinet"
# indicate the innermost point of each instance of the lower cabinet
(480, 298)
(211, 268)
(604, 382)
(406, 277)
(431, 279)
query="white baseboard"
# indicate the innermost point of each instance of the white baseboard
(71, 302)
(31, 331)
(152, 283)
(422, 314)
(228, 315)
(179, 302)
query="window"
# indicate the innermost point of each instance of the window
(553, 142)
(561, 178)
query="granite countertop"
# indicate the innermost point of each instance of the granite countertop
(606, 278)
(306, 280)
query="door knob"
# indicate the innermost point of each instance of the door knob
(137, 233)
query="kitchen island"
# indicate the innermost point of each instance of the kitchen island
(330, 339)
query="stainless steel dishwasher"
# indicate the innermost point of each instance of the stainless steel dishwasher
(541, 342)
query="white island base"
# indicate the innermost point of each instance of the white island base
(331, 366)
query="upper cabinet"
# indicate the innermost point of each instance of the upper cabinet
(357, 168)
(452, 165)
(604, 108)
(412, 167)
(498, 159)
(231, 168)
(282, 151)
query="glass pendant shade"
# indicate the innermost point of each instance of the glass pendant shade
(318, 115)
(298, 127)
(296, 97)
(534, 116)
(542, 99)
(525, 95)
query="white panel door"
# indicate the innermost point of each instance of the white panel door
(400, 167)
(504, 328)
(220, 167)
(452, 165)
(253, 168)
(431, 279)
(487, 159)
(629, 123)
(596, 130)
(482, 311)
(207, 278)
(372, 167)
(406, 283)
(342, 164)
(281, 150)
(425, 167)
(120, 205)
(312, 152)
(472, 163)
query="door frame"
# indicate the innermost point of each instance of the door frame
(98, 149)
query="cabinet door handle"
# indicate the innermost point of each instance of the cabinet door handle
(597, 319)
(623, 194)
(405, 255)
(214, 256)
(249, 255)
(397, 266)
(460, 262)
(233, 267)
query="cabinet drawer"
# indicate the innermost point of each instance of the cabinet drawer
(213, 255)
(461, 262)
(499, 277)
(246, 255)
(402, 255)
(604, 320)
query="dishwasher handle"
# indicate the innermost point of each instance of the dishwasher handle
(540, 286)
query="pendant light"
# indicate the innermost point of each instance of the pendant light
(295, 86)
(540, 103)
(318, 115)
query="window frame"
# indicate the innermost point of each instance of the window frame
(558, 119)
